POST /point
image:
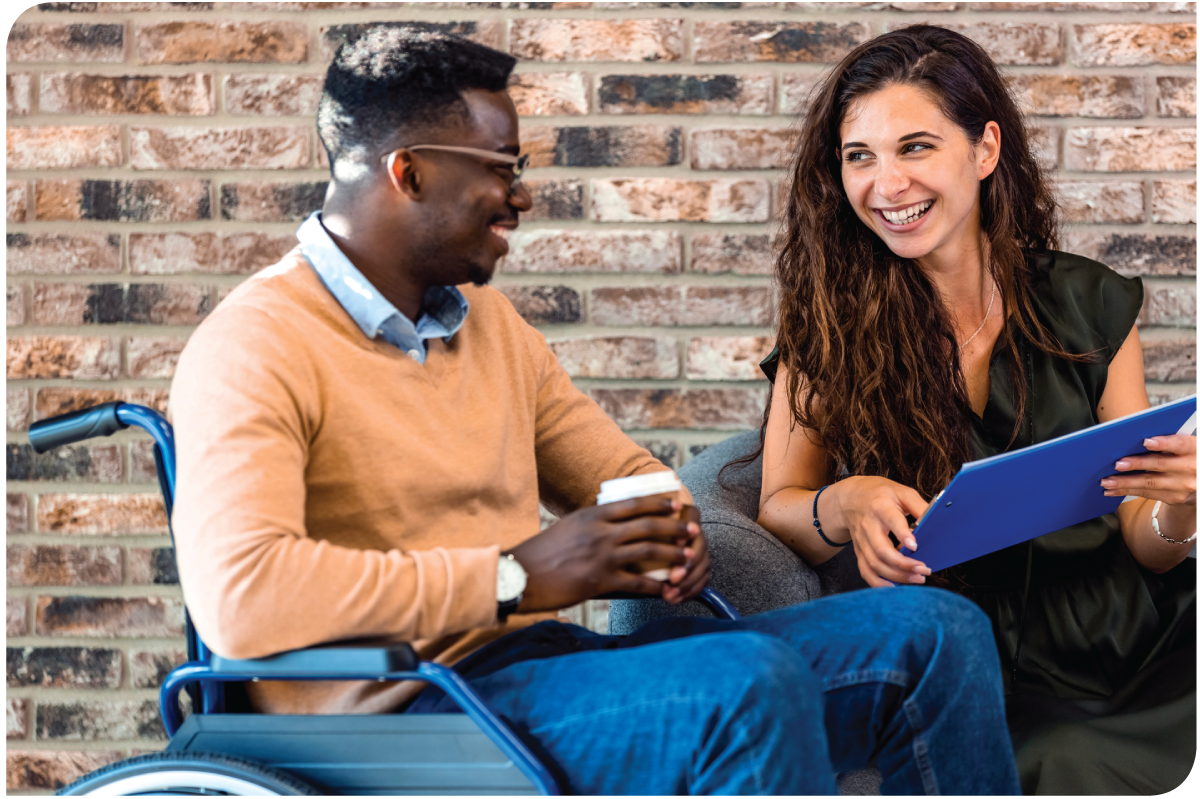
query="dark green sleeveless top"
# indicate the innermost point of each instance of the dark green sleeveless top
(1075, 617)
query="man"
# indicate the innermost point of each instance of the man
(362, 448)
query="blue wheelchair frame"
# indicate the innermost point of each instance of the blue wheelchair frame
(205, 673)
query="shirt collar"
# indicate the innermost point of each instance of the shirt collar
(444, 308)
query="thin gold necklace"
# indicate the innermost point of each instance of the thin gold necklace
(986, 314)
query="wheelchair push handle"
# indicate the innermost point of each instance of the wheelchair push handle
(72, 428)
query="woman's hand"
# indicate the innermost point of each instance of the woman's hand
(872, 507)
(1169, 472)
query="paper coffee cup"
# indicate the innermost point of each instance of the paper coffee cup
(643, 485)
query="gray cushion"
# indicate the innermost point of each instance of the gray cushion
(750, 566)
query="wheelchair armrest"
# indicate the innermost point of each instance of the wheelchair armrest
(349, 658)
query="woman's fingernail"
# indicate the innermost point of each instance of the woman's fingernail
(916, 578)
(923, 570)
(1150, 442)
(1122, 464)
(1108, 482)
(911, 544)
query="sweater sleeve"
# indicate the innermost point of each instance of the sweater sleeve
(578, 446)
(245, 403)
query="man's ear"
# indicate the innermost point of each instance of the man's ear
(404, 174)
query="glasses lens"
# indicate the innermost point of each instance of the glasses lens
(522, 162)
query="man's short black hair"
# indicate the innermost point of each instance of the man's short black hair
(396, 81)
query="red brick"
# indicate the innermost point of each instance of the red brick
(273, 95)
(148, 668)
(1176, 96)
(795, 90)
(1136, 253)
(18, 94)
(1121, 44)
(142, 468)
(263, 201)
(105, 617)
(689, 409)
(1044, 142)
(597, 40)
(80, 93)
(1099, 96)
(872, 6)
(624, 145)
(219, 148)
(588, 251)
(153, 566)
(16, 408)
(1016, 43)
(63, 565)
(686, 94)
(314, 6)
(739, 253)
(54, 41)
(681, 306)
(246, 253)
(84, 463)
(1146, 149)
(124, 8)
(75, 357)
(110, 720)
(62, 254)
(179, 200)
(14, 298)
(669, 199)
(15, 192)
(224, 42)
(64, 667)
(57, 400)
(1169, 305)
(727, 357)
(16, 719)
(784, 42)
(114, 303)
(15, 617)
(16, 514)
(1120, 203)
(545, 305)
(1173, 202)
(1070, 8)
(741, 148)
(49, 770)
(628, 357)
(172, 253)
(151, 358)
(1170, 358)
(552, 94)
(486, 32)
(63, 147)
(555, 199)
(101, 514)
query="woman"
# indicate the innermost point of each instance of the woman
(926, 320)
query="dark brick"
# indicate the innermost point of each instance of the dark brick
(665, 451)
(685, 94)
(139, 303)
(148, 669)
(104, 617)
(153, 566)
(271, 202)
(484, 32)
(785, 42)
(1136, 253)
(53, 41)
(93, 464)
(17, 514)
(542, 305)
(125, 200)
(555, 199)
(90, 721)
(43, 770)
(63, 667)
(627, 145)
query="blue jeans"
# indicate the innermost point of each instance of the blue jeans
(904, 678)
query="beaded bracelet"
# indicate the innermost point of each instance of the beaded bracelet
(817, 522)
(1154, 524)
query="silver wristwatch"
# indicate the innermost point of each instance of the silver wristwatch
(510, 585)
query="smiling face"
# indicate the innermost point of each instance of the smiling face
(470, 207)
(912, 176)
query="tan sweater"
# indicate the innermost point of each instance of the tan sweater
(330, 487)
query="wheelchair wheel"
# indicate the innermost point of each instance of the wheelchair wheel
(188, 774)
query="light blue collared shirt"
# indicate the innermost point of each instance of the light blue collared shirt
(444, 308)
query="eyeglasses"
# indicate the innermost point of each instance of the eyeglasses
(517, 162)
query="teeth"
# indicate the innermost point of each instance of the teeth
(908, 214)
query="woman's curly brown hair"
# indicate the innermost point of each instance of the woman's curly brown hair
(871, 355)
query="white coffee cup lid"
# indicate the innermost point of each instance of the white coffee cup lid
(639, 485)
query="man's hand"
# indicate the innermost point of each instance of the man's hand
(589, 552)
(689, 580)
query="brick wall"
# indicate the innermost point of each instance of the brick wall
(160, 152)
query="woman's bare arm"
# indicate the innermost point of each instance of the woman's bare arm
(1170, 470)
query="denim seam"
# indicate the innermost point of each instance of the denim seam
(846, 678)
(921, 748)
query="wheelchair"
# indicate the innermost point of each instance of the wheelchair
(223, 749)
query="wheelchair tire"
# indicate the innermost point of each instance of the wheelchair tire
(188, 774)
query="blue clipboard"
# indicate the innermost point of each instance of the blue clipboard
(1015, 496)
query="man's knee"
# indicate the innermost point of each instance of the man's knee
(766, 669)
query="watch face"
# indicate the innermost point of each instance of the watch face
(510, 580)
